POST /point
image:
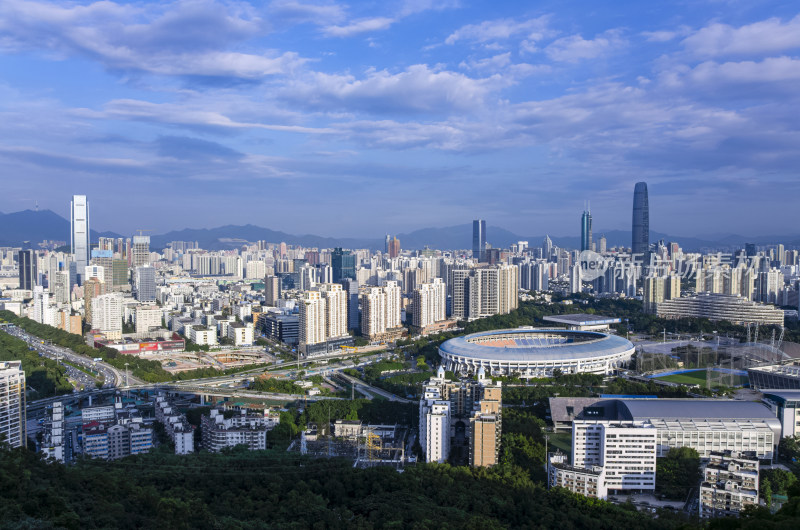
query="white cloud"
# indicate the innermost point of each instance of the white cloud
(770, 70)
(575, 48)
(298, 12)
(185, 38)
(417, 89)
(501, 29)
(183, 115)
(359, 26)
(767, 36)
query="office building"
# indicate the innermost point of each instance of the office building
(712, 306)
(272, 290)
(241, 334)
(479, 240)
(343, 263)
(786, 406)
(79, 232)
(145, 283)
(730, 484)
(586, 230)
(12, 404)
(147, 318)
(283, 328)
(394, 247)
(351, 288)
(640, 242)
(26, 261)
(140, 251)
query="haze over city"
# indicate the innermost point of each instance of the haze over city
(312, 117)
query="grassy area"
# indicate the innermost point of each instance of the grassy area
(561, 441)
(698, 377)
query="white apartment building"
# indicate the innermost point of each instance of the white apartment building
(430, 303)
(312, 318)
(335, 309)
(380, 310)
(730, 484)
(434, 425)
(176, 426)
(107, 313)
(147, 318)
(244, 429)
(485, 291)
(12, 403)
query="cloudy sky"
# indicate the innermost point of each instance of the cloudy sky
(362, 118)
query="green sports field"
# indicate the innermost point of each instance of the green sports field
(698, 377)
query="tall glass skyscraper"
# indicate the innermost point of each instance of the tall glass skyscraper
(640, 241)
(79, 236)
(586, 230)
(479, 239)
(343, 264)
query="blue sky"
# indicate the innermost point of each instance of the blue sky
(364, 118)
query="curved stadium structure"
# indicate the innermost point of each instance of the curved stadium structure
(535, 352)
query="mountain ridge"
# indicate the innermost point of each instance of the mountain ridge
(38, 225)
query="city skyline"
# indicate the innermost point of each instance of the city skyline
(443, 113)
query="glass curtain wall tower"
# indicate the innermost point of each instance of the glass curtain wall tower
(479, 239)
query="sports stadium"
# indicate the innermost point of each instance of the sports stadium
(535, 352)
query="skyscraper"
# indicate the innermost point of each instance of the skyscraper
(586, 229)
(479, 239)
(640, 241)
(79, 232)
(27, 269)
(343, 264)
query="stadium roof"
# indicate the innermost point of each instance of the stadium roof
(582, 319)
(594, 345)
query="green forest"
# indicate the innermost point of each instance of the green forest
(238, 489)
(43, 377)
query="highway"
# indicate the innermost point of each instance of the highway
(111, 376)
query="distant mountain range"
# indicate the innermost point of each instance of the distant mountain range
(36, 226)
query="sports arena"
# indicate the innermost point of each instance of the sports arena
(535, 352)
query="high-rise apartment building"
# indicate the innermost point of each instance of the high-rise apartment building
(26, 260)
(640, 241)
(380, 311)
(485, 291)
(107, 313)
(79, 232)
(586, 230)
(485, 423)
(430, 303)
(12, 404)
(351, 288)
(479, 239)
(323, 319)
(394, 247)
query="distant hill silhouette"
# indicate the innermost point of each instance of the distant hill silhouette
(36, 226)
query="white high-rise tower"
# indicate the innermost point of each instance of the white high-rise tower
(79, 232)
